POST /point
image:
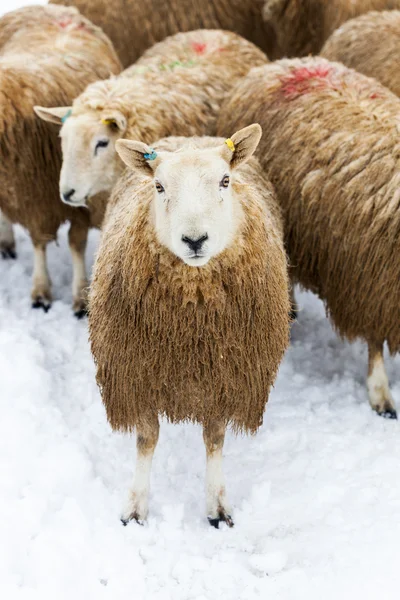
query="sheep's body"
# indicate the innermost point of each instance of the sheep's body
(49, 55)
(195, 344)
(369, 44)
(200, 344)
(301, 27)
(134, 25)
(176, 88)
(332, 151)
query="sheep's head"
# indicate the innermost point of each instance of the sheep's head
(90, 163)
(196, 209)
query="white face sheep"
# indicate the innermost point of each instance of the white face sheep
(189, 307)
(175, 88)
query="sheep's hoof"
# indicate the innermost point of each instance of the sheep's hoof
(388, 413)
(223, 517)
(134, 517)
(40, 302)
(81, 313)
(8, 252)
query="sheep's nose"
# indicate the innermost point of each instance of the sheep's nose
(67, 196)
(195, 245)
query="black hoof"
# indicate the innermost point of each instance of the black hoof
(8, 253)
(125, 522)
(40, 303)
(389, 414)
(214, 522)
(81, 314)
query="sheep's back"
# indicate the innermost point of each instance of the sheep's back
(331, 148)
(189, 344)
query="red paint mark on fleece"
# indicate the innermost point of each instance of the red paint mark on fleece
(199, 48)
(69, 22)
(306, 79)
(375, 96)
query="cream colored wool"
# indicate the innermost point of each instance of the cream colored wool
(369, 44)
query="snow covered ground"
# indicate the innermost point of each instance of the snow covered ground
(316, 493)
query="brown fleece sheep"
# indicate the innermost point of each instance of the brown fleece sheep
(300, 27)
(134, 25)
(176, 88)
(371, 45)
(332, 150)
(49, 55)
(188, 310)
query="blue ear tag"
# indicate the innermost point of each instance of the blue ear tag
(67, 114)
(151, 156)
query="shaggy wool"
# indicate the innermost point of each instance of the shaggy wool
(49, 55)
(300, 27)
(369, 44)
(134, 25)
(191, 344)
(331, 147)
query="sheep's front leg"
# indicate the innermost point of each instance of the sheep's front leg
(138, 502)
(77, 237)
(380, 397)
(7, 240)
(217, 507)
(41, 291)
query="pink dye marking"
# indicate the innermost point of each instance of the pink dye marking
(198, 47)
(306, 79)
(375, 95)
(67, 21)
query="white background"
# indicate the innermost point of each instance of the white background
(316, 493)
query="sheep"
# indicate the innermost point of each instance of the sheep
(49, 55)
(300, 27)
(369, 44)
(134, 25)
(332, 152)
(176, 88)
(188, 309)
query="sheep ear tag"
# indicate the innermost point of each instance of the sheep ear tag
(65, 117)
(150, 155)
(230, 144)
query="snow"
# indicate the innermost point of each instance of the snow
(316, 494)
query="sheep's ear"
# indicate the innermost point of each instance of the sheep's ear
(53, 115)
(138, 156)
(241, 145)
(115, 120)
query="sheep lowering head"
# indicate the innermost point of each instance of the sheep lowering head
(175, 88)
(333, 154)
(189, 308)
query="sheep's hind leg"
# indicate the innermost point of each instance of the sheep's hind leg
(77, 238)
(7, 240)
(41, 291)
(138, 502)
(217, 507)
(380, 397)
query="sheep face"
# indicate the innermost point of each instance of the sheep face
(90, 163)
(196, 210)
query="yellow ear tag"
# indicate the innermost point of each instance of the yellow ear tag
(230, 144)
(108, 121)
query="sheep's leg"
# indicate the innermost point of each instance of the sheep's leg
(138, 502)
(380, 397)
(41, 291)
(217, 507)
(77, 237)
(7, 240)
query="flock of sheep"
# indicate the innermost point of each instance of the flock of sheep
(219, 179)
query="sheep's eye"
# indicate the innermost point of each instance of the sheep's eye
(101, 144)
(225, 181)
(159, 187)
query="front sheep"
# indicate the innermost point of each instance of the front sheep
(188, 311)
(49, 55)
(370, 44)
(176, 88)
(333, 154)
